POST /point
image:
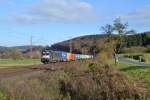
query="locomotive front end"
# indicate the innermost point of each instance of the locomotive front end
(46, 56)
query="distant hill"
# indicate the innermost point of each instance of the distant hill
(24, 49)
(1, 47)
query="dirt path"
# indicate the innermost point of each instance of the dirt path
(28, 70)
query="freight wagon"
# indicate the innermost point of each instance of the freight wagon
(49, 56)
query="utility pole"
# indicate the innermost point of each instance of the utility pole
(31, 47)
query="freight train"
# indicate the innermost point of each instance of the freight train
(49, 56)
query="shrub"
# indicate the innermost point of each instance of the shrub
(103, 57)
(102, 82)
(39, 87)
(33, 55)
(135, 49)
(15, 54)
(99, 82)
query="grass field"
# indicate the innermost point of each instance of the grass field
(136, 72)
(10, 62)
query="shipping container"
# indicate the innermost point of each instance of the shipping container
(68, 56)
(58, 56)
(55, 56)
(77, 56)
(85, 57)
(73, 56)
(64, 56)
(82, 56)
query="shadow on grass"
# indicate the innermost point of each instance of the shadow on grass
(130, 68)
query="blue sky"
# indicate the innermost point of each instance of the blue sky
(51, 21)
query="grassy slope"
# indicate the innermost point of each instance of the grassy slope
(136, 72)
(10, 62)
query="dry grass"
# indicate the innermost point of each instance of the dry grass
(82, 80)
(102, 82)
(40, 87)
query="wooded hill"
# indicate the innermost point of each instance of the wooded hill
(88, 44)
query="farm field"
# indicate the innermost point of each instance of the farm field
(11, 62)
(135, 72)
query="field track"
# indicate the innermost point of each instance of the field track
(22, 70)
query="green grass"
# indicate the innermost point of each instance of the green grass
(2, 96)
(136, 72)
(11, 62)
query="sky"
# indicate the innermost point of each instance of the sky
(52, 21)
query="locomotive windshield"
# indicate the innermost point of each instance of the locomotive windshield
(45, 53)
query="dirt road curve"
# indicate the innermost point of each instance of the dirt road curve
(28, 70)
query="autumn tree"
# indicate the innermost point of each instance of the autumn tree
(117, 34)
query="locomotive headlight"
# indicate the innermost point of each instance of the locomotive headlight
(46, 56)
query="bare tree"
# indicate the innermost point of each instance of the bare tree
(108, 29)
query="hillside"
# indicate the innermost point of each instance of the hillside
(79, 44)
(86, 44)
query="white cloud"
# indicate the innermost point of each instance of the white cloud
(57, 11)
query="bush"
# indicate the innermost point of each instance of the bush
(135, 49)
(148, 48)
(33, 55)
(15, 54)
(103, 57)
(12, 53)
(98, 82)
(39, 87)
(102, 82)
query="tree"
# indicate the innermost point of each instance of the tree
(15, 54)
(122, 30)
(119, 41)
(108, 29)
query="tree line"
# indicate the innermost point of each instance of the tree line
(15, 53)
